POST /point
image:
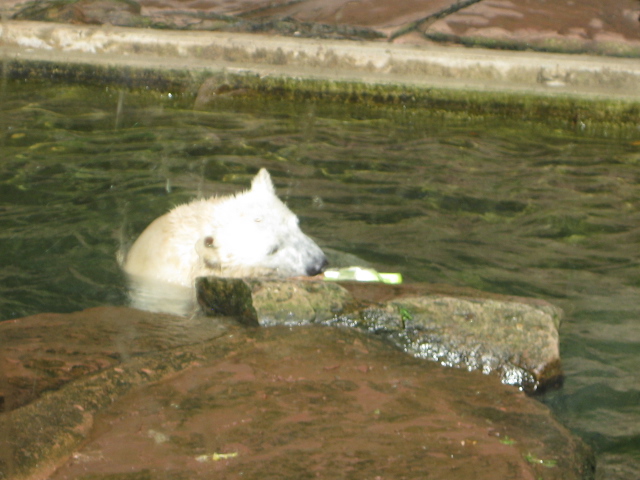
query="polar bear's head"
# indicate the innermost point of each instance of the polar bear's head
(255, 234)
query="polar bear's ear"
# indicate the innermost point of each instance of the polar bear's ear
(262, 181)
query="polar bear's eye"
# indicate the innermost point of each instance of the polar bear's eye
(208, 242)
(274, 250)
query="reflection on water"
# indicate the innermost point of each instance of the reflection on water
(507, 206)
(158, 296)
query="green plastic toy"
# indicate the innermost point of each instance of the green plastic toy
(360, 274)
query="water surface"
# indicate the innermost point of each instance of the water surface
(510, 206)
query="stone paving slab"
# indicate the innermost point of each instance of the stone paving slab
(609, 27)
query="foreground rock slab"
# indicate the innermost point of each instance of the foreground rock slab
(515, 338)
(277, 402)
(46, 351)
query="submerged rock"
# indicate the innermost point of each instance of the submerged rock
(513, 337)
(265, 402)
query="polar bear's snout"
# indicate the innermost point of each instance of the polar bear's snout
(314, 262)
(318, 267)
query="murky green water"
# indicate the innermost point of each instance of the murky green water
(507, 206)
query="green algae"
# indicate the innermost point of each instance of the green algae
(590, 114)
(227, 297)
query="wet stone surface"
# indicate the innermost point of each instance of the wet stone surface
(43, 352)
(518, 342)
(279, 402)
(512, 337)
(272, 302)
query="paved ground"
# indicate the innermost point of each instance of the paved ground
(610, 27)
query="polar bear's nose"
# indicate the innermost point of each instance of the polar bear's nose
(317, 268)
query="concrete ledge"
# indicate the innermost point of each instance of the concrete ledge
(368, 62)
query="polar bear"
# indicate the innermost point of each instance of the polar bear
(250, 234)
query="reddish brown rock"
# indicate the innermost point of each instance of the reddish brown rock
(44, 352)
(282, 403)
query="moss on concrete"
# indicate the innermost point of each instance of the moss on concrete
(592, 112)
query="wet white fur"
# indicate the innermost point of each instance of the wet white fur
(249, 234)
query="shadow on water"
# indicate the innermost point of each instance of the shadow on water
(516, 207)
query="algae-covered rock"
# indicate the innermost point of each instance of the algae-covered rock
(227, 297)
(516, 339)
(272, 302)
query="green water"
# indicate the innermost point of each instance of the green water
(550, 210)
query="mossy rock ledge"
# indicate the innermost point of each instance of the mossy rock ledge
(513, 337)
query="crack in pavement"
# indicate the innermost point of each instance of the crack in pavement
(429, 19)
